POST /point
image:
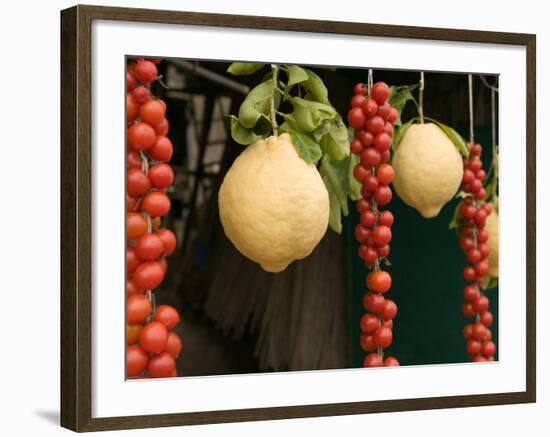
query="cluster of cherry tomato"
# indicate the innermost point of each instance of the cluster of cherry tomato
(373, 117)
(152, 348)
(473, 241)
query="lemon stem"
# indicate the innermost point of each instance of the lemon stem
(275, 71)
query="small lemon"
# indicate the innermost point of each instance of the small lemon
(274, 206)
(428, 169)
(492, 230)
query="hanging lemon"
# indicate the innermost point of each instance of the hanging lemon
(274, 206)
(428, 169)
(492, 230)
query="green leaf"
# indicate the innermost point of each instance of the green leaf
(354, 186)
(489, 282)
(337, 173)
(241, 68)
(296, 75)
(311, 115)
(305, 145)
(454, 136)
(335, 215)
(400, 132)
(455, 221)
(315, 86)
(256, 103)
(335, 142)
(239, 133)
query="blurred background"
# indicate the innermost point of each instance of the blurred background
(237, 318)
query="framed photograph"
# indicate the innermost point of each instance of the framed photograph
(268, 218)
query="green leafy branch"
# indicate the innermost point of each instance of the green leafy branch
(317, 130)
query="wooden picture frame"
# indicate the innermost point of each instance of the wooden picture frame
(76, 218)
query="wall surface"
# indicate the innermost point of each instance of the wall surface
(29, 336)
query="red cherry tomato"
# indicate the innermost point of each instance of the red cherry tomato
(131, 81)
(133, 160)
(360, 89)
(152, 112)
(383, 195)
(375, 125)
(173, 345)
(380, 92)
(162, 365)
(370, 157)
(488, 349)
(370, 107)
(486, 318)
(385, 218)
(149, 275)
(356, 118)
(145, 71)
(132, 288)
(137, 182)
(378, 282)
(357, 101)
(136, 361)
(162, 149)
(169, 240)
(142, 95)
(390, 310)
(162, 128)
(367, 342)
(132, 333)
(132, 260)
(374, 302)
(149, 247)
(391, 362)
(393, 115)
(384, 110)
(132, 108)
(385, 174)
(156, 204)
(373, 360)
(136, 225)
(383, 337)
(167, 315)
(369, 323)
(153, 337)
(141, 136)
(138, 308)
(161, 175)
(382, 235)
(470, 293)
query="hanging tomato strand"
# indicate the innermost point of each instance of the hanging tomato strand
(373, 117)
(152, 346)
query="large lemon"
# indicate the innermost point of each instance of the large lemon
(274, 206)
(492, 230)
(428, 169)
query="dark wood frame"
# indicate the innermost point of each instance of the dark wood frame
(76, 338)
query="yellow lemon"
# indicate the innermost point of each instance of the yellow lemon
(274, 206)
(428, 169)
(492, 230)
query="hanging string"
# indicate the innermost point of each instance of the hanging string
(493, 121)
(369, 81)
(421, 98)
(487, 84)
(471, 107)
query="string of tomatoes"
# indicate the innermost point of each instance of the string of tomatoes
(474, 236)
(152, 346)
(373, 117)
